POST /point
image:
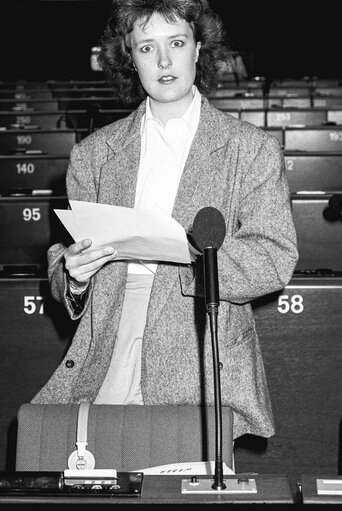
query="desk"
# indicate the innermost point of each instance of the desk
(308, 490)
(166, 489)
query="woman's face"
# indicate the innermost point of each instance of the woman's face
(165, 56)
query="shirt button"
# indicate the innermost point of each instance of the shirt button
(69, 364)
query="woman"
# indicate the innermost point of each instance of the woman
(142, 336)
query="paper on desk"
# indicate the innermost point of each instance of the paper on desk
(149, 234)
(197, 467)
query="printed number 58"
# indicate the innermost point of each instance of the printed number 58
(293, 303)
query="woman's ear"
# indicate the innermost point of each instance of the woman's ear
(198, 46)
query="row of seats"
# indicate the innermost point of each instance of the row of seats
(238, 102)
(309, 171)
(28, 225)
(263, 117)
(224, 90)
(60, 140)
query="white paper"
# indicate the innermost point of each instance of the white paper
(149, 234)
(193, 467)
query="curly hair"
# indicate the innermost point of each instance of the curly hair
(115, 57)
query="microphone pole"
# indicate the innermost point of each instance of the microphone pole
(207, 235)
(212, 302)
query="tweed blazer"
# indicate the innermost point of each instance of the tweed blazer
(236, 168)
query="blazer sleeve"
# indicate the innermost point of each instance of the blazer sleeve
(80, 186)
(260, 255)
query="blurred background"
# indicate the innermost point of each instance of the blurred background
(52, 39)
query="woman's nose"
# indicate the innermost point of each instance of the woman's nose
(164, 60)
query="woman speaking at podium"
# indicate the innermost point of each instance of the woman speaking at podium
(142, 336)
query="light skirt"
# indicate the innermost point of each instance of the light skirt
(122, 382)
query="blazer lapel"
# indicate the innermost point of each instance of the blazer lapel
(191, 196)
(118, 177)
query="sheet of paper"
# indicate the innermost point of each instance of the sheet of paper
(149, 234)
(195, 467)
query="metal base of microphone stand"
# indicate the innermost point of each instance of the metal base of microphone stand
(232, 484)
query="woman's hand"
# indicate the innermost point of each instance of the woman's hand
(81, 266)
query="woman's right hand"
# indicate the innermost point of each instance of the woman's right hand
(81, 266)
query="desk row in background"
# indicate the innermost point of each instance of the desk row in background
(224, 89)
(60, 141)
(238, 102)
(29, 225)
(24, 172)
(28, 119)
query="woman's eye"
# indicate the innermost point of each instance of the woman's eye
(177, 44)
(146, 49)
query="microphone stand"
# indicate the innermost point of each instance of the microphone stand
(212, 301)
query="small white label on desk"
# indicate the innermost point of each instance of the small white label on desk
(329, 486)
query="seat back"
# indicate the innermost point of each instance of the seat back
(130, 437)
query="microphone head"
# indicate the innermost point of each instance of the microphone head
(209, 228)
(333, 212)
(335, 203)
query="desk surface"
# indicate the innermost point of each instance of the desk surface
(165, 489)
(309, 494)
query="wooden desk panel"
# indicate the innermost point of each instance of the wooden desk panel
(160, 489)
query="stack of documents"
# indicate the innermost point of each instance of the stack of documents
(149, 234)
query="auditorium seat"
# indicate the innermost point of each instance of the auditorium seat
(35, 333)
(319, 233)
(23, 85)
(44, 119)
(77, 103)
(326, 101)
(22, 173)
(304, 82)
(256, 117)
(102, 117)
(23, 94)
(328, 90)
(229, 92)
(314, 171)
(49, 141)
(296, 102)
(296, 117)
(326, 82)
(28, 226)
(300, 336)
(318, 138)
(29, 104)
(290, 90)
(81, 92)
(74, 84)
(239, 103)
(334, 115)
(122, 437)
(277, 132)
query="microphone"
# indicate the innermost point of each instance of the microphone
(207, 235)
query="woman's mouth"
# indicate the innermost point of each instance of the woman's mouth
(166, 79)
